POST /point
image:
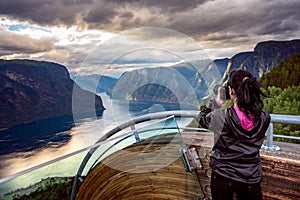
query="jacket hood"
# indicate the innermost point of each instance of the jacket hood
(258, 129)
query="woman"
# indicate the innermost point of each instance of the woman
(238, 135)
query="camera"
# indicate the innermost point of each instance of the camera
(223, 91)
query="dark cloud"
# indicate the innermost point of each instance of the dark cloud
(100, 13)
(279, 19)
(192, 17)
(13, 43)
(49, 12)
(166, 5)
(215, 22)
(127, 15)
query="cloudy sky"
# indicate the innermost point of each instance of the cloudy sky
(81, 34)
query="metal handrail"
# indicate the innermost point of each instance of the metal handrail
(279, 119)
(285, 119)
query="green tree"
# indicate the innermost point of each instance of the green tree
(287, 73)
(283, 88)
(286, 102)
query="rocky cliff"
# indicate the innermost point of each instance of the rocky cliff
(265, 56)
(34, 90)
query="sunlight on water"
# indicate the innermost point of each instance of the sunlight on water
(15, 162)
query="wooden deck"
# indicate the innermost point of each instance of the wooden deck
(158, 172)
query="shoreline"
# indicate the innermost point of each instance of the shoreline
(39, 186)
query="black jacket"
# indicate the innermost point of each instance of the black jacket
(235, 153)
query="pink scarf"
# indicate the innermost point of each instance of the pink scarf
(247, 123)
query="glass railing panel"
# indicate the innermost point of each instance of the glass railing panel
(165, 126)
(124, 140)
(107, 149)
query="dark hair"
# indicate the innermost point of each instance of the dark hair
(248, 92)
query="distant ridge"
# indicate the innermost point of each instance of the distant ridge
(96, 83)
(201, 75)
(266, 55)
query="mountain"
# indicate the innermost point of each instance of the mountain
(34, 90)
(266, 55)
(96, 83)
(185, 81)
(166, 84)
(153, 92)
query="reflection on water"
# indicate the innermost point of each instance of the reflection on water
(15, 162)
(28, 137)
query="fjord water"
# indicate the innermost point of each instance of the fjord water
(29, 145)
